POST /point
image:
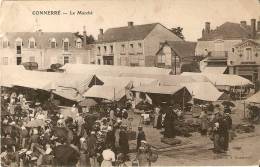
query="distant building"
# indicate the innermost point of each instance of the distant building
(218, 46)
(246, 60)
(173, 54)
(44, 48)
(133, 45)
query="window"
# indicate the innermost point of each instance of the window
(31, 59)
(111, 49)
(5, 43)
(99, 62)
(18, 50)
(66, 44)
(53, 43)
(19, 44)
(99, 50)
(18, 60)
(249, 54)
(161, 59)
(66, 59)
(105, 49)
(140, 45)
(140, 48)
(131, 48)
(123, 48)
(31, 43)
(233, 50)
(78, 43)
(5, 60)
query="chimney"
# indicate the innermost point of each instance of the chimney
(258, 26)
(253, 28)
(101, 33)
(207, 27)
(243, 23)
(130, 24)
(84, 36)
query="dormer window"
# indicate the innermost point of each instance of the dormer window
(5, 43)
(31, 43)
(53, 43)
(105, 49)
(79, 43)
(66, 44)
(18, 43)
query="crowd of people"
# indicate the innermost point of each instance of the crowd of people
(33, 135)
(218, 127)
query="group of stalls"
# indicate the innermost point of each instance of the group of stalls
(119, 84)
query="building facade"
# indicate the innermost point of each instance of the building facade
(133, 45)
(44, 48)
(229, 45)
(173, 54)
(246, 60)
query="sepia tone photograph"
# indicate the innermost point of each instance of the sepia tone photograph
(129, 83)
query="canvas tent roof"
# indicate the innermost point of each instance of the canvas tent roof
(203, 91)
(214, 70)
(106, 92)
(127, 81)
(109, 70)
(158, 89)
(254, 99)
(69, 86)
(222, 79)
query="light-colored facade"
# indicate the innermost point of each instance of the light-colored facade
(44, 48)
(245, 61)
(132, 45)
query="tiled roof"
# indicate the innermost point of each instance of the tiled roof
(136, 32)
(228, 30)
(182, 48)
(42, 39)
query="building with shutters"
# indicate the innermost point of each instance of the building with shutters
(132, 45)
(44, 48)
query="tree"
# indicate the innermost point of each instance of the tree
(178, 31)
(89, 40)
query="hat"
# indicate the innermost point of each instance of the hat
(48, 120)
(37, 103)
(12, 123)
(61, 116)
(34, 158)
(109, 128)
(118, 109)
(124, 110)
(118, 120)
(48, 151)
(5, 121)
(82, 139)
(92, 132)
(22, 151)
(28, 152)
(143, 141)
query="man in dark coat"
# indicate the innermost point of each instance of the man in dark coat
(65, 155)
(110, 138)
(140, 137)
(123, 141)
(169, 122)
(92, 149)
(226, 127)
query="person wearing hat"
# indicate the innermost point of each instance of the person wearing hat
(92, 149)
(123, 141)
(140, 137)
(34, 139)
(108, 157)
(47, 157)
(110, 138)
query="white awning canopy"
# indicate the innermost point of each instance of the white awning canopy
(214, 70)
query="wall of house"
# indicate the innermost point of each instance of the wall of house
(215, 46)
(125, 58)
(45, 57)
(152, 42)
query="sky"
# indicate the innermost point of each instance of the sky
(190, 14)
